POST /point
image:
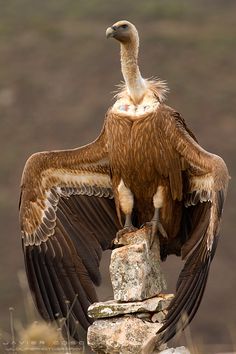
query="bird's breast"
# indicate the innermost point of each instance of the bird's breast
(131, 153)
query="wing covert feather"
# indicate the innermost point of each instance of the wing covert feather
(207, 181)
(68, 217)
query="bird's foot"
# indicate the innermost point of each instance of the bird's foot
(126, 230)
(156, 227)
(122, 232)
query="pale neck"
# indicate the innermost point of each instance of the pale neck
(130, 70)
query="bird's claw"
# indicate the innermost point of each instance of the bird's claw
(156, 227)
(122, 232)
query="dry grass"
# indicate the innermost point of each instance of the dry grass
(37, 336)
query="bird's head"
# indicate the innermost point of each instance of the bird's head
(124, 31)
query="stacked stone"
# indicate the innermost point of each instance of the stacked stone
(129, 323)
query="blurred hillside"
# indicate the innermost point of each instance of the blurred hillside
(57, 75)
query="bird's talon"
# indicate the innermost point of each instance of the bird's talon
(122, 232)
(162, 230)
(156, 227)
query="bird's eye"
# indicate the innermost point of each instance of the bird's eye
(124, 26)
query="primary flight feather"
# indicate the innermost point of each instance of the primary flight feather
(146, 166)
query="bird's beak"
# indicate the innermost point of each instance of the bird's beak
(110, 32)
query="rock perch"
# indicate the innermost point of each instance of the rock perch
(129, 323)
(135, 268)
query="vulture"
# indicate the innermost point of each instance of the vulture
(145, 167)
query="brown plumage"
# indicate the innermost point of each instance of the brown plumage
(145, 162)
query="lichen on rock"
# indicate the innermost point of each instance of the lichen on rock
(124, 335)
(113, 308)
(129, 323)
(135, 268)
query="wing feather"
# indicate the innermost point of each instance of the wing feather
(193, 278)
(68, 217)
(207, 181)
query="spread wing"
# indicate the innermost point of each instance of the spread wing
(206, 187)
(67, 217)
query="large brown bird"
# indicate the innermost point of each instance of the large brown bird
(145, 166)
